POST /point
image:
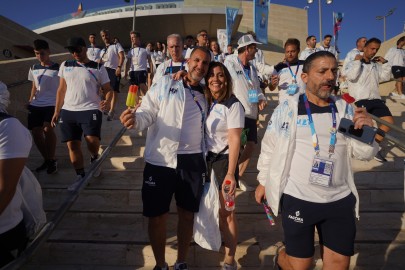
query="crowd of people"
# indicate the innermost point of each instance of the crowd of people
(200, 106)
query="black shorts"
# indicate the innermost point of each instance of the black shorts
(75, 123)
(13, 239)
(37, 116)
(186, 182)
(398, 71)
(114, 79)
(251, 125)
(376, 107)
(138, 77)
(335, 223)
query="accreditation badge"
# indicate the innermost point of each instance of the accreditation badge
(322, 171)
(292, 89)
(252, 96)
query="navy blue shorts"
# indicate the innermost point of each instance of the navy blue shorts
(73, 124)
(138, 77)
(114, 79)
(335, 223)
(37, 116)
(186, 182)
(252, 126)
(398, 72)
(376, 107)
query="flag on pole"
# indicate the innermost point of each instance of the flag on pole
(261, 15)
(80, 12)
(230, 20)
(337, 21)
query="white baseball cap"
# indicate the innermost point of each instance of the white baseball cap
(246, 40)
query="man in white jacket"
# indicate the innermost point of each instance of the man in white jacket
(305, 163)
(364, 74)
(396, 58)
(174, 113)
(246, 87)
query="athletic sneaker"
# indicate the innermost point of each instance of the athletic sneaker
(73, 186)
(244, 186)
(110, 116)
(229, 267)
(161, 268)
(402, 96)
(44, 166)
(180, 266)
(380, 156)
(52, 166)
(394, 95)
(97, 172)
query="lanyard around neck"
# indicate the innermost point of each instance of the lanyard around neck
(198, 104)
(171, 66)
(91, 73)
(296, 71)
(42, 75)
(315, 141)
(249, 80)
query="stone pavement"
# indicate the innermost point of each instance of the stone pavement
(105, 228)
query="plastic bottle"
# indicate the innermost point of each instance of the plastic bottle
(228, 198)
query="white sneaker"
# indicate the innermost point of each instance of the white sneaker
(229, 267)
(402, 96)
(78, 181)
(395, 95)
(244, 186)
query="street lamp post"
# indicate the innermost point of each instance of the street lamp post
(390, 12)
(328, 2)
(133, 20)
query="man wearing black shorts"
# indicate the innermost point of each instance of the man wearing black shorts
(78, 105)
(396, 58)
(41, 105)
(305, 170)
(137, 63)
(112, 56)
(174, 113)
(364, 74)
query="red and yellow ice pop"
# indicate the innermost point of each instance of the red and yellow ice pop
(132, 98)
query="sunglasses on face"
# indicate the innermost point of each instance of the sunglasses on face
(73, 50)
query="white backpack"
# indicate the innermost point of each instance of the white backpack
(32, 206)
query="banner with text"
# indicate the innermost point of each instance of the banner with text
(261, 15)
(230, 21)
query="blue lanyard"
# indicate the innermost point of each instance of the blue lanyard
(315, 141)
(212, 106)
(42, 75)
(171, 66)
(296, 71)
(246, 75)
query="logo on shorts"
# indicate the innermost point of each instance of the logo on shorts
(297, 217)
(150, 182)
(94, 116)
(203, 177)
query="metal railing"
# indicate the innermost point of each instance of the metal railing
(50, 226)
(393, 127)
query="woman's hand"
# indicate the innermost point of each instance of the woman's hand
(260, 194)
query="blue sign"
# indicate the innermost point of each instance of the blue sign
(261, 15)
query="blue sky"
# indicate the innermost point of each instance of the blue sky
(359, 15)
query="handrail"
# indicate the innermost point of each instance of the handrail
(50, 226)
(385, 123)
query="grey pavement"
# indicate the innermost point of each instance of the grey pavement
(105, 228)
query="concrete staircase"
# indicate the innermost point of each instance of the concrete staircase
(105, 228)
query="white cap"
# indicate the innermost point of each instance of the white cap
(246, 40)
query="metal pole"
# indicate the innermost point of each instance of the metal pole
(133, 20)
(384, 26)
(320, 20)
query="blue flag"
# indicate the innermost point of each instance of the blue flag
(261, 15)
(230, 20)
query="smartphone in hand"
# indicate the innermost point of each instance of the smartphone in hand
(365, 134)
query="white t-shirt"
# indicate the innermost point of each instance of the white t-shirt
(15, 142)
(191, 133)
(285, 78)
(158, 57)
(139, 59)
(298, 184)
(222, 117)
(82, 93)
(307, 52)
(110, 55)
(93, 53)
(169, 67)
(46, 81)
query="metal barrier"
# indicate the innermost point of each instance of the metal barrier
(50, 226)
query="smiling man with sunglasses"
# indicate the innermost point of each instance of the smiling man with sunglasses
(78, 104)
